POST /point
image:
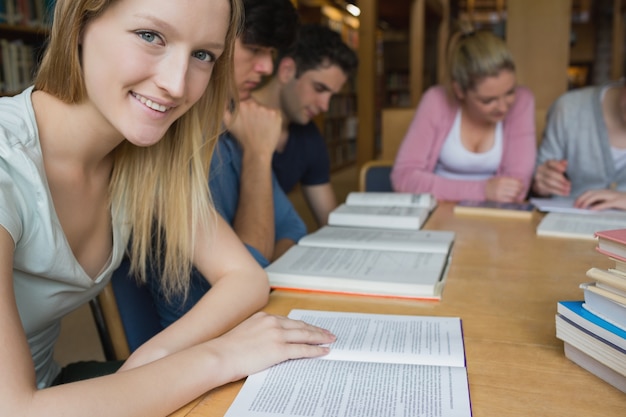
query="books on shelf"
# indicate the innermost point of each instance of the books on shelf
(380, 365)
(494, 208)
(384, 210)
(17, 63)
(380, 262)
(578, 226)
(30, 13)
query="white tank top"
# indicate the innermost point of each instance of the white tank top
(456, 162)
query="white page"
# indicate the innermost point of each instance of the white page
(420, 340)
(566, 205)
(392, 217)
(323, 388)
(390, 199)
(381, 239)
(367, 265)
(318, 388)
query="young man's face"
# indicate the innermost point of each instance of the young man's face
(252, 62)
(305, 97)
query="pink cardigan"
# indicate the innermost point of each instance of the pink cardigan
(413, 170)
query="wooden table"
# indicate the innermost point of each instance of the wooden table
(504, 282)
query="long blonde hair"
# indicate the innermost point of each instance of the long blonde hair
(161, 191)
(474, 55)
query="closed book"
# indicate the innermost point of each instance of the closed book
(612, 243)
(601, 350)
(494, 208)
(620, 266)
(608, 278)
(574, 311)
(603, 306)
(595, 367)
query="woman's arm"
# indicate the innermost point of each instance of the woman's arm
(520, 141)
(157, 389)
(419, 150)
(239, 287)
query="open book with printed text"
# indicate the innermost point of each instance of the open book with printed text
(380, 365)
(383, 209)
(381, 262)
(578, 226)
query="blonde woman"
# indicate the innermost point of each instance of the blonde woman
(473, 139)
(114, 139)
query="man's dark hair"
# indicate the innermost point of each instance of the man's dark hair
(270, 23)
(317, 45)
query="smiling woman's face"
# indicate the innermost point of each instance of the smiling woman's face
(146, 62)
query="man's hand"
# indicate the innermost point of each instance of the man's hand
(257, 128)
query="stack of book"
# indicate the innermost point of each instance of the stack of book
(594, 330)
(370, 248)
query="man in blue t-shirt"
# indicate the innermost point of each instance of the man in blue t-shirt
(305, 78)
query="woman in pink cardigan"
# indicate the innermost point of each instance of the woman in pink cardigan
(475, 139)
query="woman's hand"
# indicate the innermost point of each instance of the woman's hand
(601, 200)
(504, 189)
(264, 340)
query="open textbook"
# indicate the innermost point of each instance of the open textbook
(382, 262)
(383, 209)
(380, 365)
(579, 226)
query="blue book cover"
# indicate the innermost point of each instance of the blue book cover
(575, 312)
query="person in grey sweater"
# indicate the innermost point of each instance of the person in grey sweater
(583, 152)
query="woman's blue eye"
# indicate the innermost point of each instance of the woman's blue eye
(204, 56)
(148, 36)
